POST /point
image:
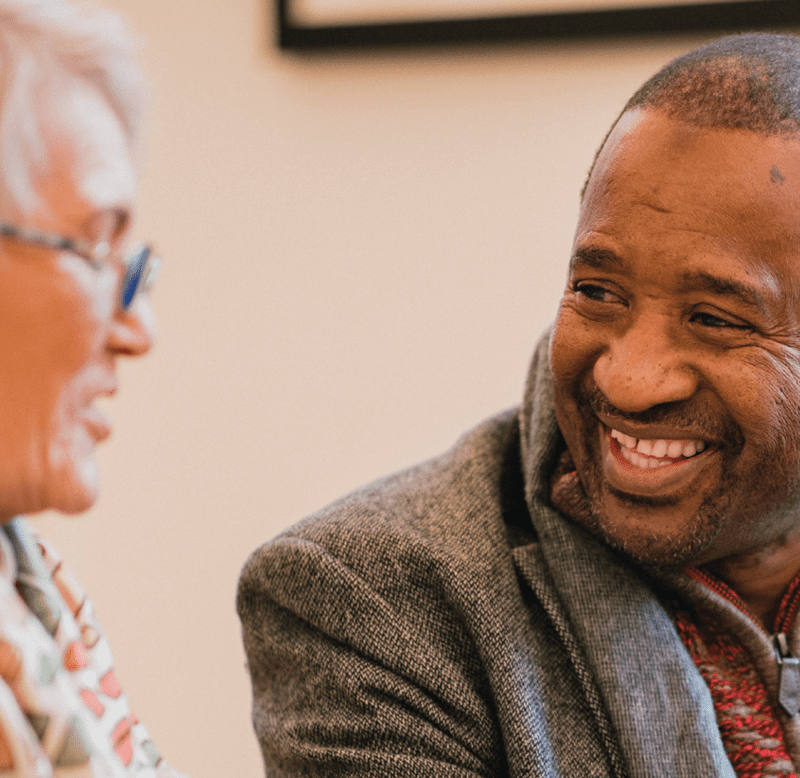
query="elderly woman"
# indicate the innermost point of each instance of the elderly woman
(73, 299)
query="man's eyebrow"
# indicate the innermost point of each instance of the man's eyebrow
(725, 287)
(596, 258)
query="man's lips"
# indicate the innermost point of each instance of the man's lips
(656, 452)
(653, 466)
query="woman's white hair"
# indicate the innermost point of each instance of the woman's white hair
(44, 44)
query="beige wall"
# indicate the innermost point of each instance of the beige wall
(361, 251)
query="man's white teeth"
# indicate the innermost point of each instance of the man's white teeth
(646, 447)
(645, 453)
(626, 440)
(692, 447)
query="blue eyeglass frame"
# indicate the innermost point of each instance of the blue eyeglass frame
(141, 264)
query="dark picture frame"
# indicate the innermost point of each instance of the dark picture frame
(723, 15)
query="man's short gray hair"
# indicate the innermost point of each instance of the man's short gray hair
(43, 45)
(746, 82)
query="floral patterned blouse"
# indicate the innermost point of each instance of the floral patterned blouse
(62, 711)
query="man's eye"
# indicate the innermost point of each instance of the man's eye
(594, 292)
(710, 320)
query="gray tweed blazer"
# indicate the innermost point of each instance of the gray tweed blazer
(446, 621)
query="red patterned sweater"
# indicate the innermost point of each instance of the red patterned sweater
(749, 722)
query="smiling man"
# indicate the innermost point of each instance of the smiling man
(606, 581)
(675, 352)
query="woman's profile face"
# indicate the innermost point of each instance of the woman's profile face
(61, 329)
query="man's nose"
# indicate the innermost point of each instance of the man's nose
(643, 367)
(133, 329)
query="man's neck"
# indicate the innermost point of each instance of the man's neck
(761, 577)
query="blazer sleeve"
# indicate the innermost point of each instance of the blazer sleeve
(363, 667)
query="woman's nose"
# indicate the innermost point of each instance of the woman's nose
(133, 329)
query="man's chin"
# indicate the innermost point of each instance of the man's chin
(655, 530)
(658, 551)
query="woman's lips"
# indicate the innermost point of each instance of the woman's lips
(98, 423)
(669, 466)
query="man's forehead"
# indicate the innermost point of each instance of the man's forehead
(639, 130)
(641, 133)
(655, 159)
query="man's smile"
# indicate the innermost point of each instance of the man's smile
(652, 466)
(649, 453)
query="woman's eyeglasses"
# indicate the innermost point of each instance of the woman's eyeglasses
(141, 265)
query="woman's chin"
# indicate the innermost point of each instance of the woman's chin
(72, 490)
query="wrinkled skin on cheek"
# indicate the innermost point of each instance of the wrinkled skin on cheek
(755, 489)
(51, 322)
(752, 494)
